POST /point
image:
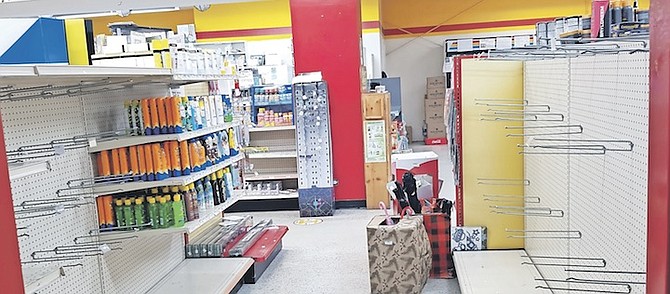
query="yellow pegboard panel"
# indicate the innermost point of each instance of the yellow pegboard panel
(487, 151)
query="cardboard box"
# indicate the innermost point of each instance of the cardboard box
(434, 102)
(435, 119)
(433, 108)
(436, 130)
(436, 93)
(468, 238)
(435, 82)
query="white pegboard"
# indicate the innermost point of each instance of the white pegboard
(313, 135)
(604, 196)
(545, 83)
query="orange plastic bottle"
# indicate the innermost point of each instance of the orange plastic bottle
(184, 158)
(146, 116)
(103, 164)
(175, 103)
(162, 116)
(143, 163)
(123, 161)
(151, 172)
(116, 162)
(175, 160)
(134, 162)
(155, 122)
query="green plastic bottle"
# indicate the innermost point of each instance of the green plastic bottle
(170, 214)
(162, 212)
(175, 191)
(152, 209)
(128, 214)
(178, 211)
(139, 212)
(118, 212)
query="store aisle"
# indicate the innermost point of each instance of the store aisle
(330, 257)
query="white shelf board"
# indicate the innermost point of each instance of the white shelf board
(291, 195)
(271, 176)
(200, 77)
(17, 71)
(175, 181)
(188, 228)
(125, 141)
(24, 169)
(38, 276)
(272, 129)
(276, 154)
(61, 71)
(204, 276)
(500, 272)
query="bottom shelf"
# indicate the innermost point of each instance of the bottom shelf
(38, 277)
(204, 275)
(492, 271)
(281, 195)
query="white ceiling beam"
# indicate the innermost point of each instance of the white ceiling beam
(35, 8)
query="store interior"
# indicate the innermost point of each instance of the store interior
(300, 146)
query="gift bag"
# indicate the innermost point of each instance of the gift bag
(439, 233)
(399, 255)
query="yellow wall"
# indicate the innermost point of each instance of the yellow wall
(168, 20)
(244, 16)
(422, 13)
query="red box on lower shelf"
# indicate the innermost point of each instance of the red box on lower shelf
(435, 141)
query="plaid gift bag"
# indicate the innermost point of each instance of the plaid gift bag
(439, 234)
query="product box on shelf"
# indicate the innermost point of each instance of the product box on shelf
(468, 238)
(435, 82)
(33, 41)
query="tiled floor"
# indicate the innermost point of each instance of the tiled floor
(331, 257)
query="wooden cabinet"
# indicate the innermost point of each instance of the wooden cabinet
(377, 140)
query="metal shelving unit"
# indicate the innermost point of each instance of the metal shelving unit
(273, 154)
(175, 181)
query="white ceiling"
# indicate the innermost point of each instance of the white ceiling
(33, 8)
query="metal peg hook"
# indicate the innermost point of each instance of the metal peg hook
(528, 234)
(604, 272)
(119, 230)
(503, 182)
(568, 288)
(510, 198)
(46, 202)
(524, 101)
(94, 238)
(578, 149)
(629, 144)
(53, 259)
(544, 212)
(520, 111)
(597, 260)
(571, 130)
(605, 281)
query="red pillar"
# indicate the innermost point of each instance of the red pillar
(659, 150)
(11, 278)
(327, 38)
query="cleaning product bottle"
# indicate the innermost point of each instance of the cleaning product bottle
(188, 202)
(128, 213)
(146, 116)
(184, 158)
(220, 145)
(152, 209)
(155, 121)
(148, 160)
(232, 141)
(168, 199)
(139, 212)
(178, 210)
(215, 188)
(221, 185)
(202, 204)
(194, 200)
(134, 162)
(162, 212)
(118, 212)
(209, 193)
(116, 162)
(225, 144)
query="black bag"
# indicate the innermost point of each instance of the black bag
(409, 184)
(400, 195)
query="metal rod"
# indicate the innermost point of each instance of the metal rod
(501, 198)
(503, 182)
(569, 234)
(42, 202)
(605, 272)
(524, 101)
(53, 259)
(534, 118)
(579, 130)
(627, 291)
(516, 110)
(568, 258)
(77, 240)
(551, 213)
(118, 229)
(628, 143)
(602, 281)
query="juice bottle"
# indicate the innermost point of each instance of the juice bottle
(157, 161)
(142, 162)
(194, 155)
(139, 211)
(149, 159)
(103, 164)
(118, 212)
(175, 103)
(108, 211)
(123, 161)
(128, 213)
(152, 210)
(188, 202)
(101, 212)
(175, 158)
(178, 210)
(170, 115)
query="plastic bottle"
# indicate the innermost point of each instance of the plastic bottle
(195, 112)
(232, 142)
(139, 211)
(202, 204)
(157, 160)
(128, 213)
(175, 158)
(146, 116)
(220, 115)
(193, 155)
(167, 103)
(177, 114)
(152, 210)
(123, 161)
(128, 106)
(134, 162)
(202, 154)
(627, 11)
(215, 189)
(225, 144)
(148, 159)
(185, 113)
(178, 210)
(162, 212)
(188, 202)
(214, 119)
(220, 145)
(184, 158)
(142, 163)
(228, 180)
(221, 185)
(168, 199)
(116, 162)
(615, 11)
(103, 164)
(194, 200)
(203, 110)
(138, 117)
(155, 121)
(118, 212)
(162, 115)
(209, 193)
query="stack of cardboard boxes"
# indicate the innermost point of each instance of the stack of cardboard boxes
(434, 111)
